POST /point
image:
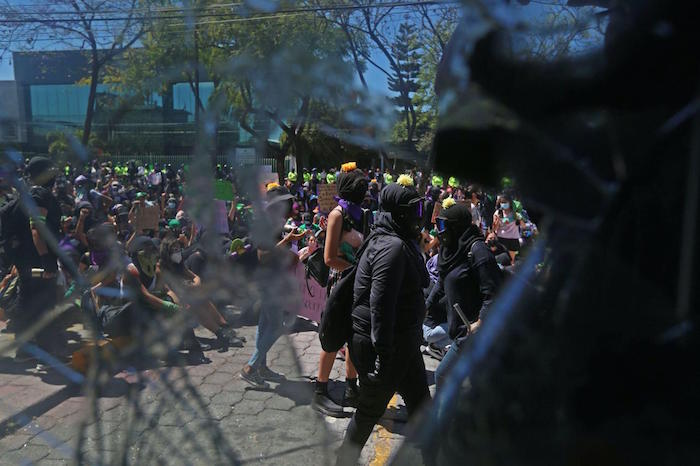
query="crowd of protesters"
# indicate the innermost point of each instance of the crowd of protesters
(429, 253)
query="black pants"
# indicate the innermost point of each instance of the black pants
(36, 297)
(407, 377)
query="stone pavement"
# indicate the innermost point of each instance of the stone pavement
(198, 414)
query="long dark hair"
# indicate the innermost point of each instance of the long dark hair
(166, 246)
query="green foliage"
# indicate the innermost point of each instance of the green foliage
(407, 57)
(428, 48)
(65, 146)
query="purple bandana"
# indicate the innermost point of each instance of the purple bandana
(354, 210)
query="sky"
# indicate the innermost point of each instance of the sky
(376, 80)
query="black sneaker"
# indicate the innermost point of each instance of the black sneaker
(191, 343)
(195, 358)
(435, 352)
(254, 378)
(232, 332)
(226, 338)
(323, 403)
(268, 374)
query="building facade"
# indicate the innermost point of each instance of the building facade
(52, 91)
(12, 130)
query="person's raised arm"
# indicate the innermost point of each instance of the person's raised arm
(80, 227)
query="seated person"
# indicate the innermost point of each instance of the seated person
(127, 300)
(503, 257)
(178, 279)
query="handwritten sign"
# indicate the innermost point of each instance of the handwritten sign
(326, 194)
(312, 304)
(146, 216)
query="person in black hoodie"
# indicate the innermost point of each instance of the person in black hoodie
(469, 282)
(387, 315)
(36, 262)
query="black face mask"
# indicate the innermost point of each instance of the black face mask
(408, 221)
(446, 239)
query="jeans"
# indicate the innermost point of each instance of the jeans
(406, 376)
(441, 374)
(270, 328)
(437, 335)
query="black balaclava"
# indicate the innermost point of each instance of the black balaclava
(398, 207)
(352, 186)
(457, 238)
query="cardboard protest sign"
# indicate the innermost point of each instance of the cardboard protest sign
(146, 216)
(326, 194)
(223, 190)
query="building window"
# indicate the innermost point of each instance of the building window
(183, 97)
(8, 130)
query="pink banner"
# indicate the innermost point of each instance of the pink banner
(312, 304)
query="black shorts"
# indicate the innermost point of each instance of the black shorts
(510, 244)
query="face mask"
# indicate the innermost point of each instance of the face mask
(176, 257)
(505, 205)
(147, 262)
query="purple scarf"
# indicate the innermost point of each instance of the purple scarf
(354, 210)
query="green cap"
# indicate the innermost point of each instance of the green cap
(330, 178)
(174, 223)
(292, 176)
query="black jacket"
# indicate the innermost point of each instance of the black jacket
(472, 285)
(388, 304)
(26, 253)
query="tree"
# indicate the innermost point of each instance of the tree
(405, 68)
(272, 71)
(268, 70)
(560, 30)
(106, 28)
(438, 25)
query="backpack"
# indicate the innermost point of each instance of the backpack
(315, 267)
(335, 327)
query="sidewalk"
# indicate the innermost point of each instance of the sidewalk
(200, 414)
